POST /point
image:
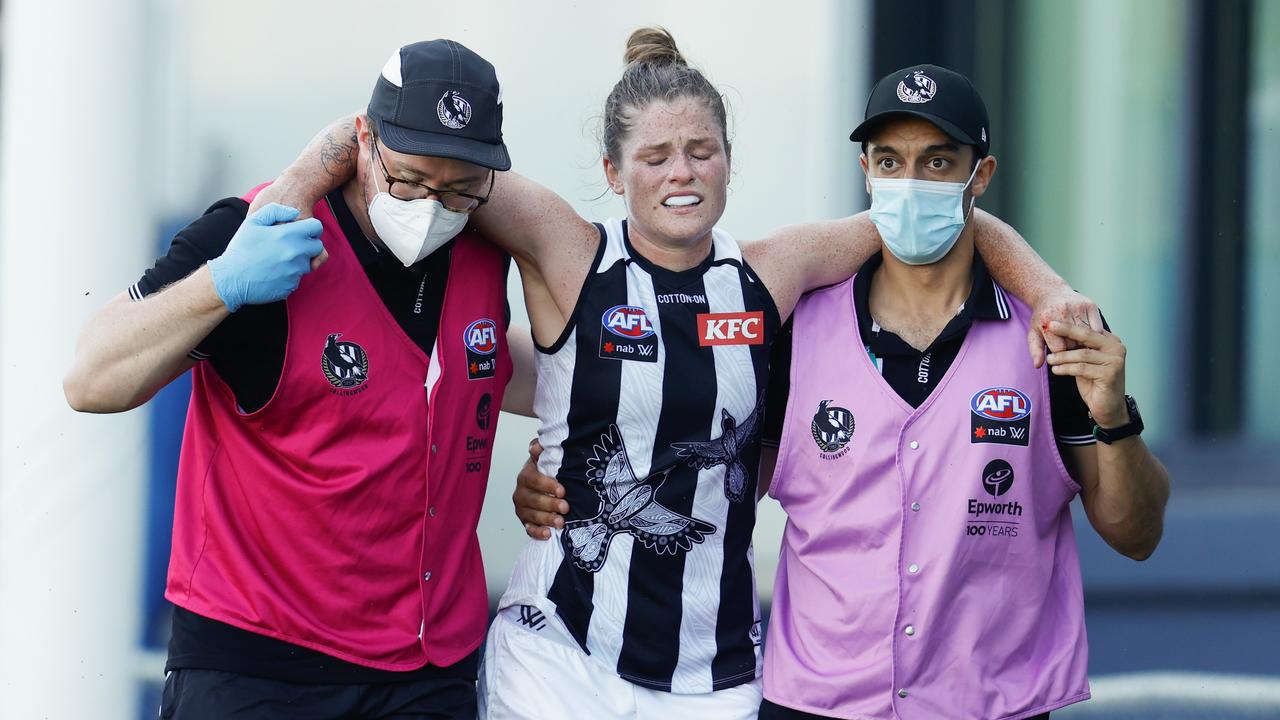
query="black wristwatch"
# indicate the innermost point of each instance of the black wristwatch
(1133, 427)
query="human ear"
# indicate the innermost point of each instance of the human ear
(613, 176)
(982, 178)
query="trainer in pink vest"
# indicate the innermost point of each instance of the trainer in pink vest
(342, 515)
(929, 566)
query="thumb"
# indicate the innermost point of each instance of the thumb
(319, 260)
(274, 213)
(310, 228)
(1036, 347)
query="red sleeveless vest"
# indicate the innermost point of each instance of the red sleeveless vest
(342, 515)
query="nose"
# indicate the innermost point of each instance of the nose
(681, 169)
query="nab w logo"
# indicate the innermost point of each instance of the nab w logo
(627, 321)
(481, 336)
(532, 618)
(745, 328)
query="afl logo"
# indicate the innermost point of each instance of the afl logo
(997, 477)
(917, 89)
(453, 110)
(627, 321)
(1000, 404)
(345, 364)
(481, 336)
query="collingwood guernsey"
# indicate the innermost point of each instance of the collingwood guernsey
(651, 403)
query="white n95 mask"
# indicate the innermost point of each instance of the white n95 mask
(413, 229)
(919, 220)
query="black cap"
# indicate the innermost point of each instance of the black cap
(440, 99)
(943, 97)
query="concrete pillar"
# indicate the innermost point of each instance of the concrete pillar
(75, 229)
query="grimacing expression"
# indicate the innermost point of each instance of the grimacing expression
(673, 172)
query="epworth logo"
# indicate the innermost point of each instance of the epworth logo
(1000, 415)
(481, 339)
(630, 335)
(744, 328)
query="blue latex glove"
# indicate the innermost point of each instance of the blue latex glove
(264, 261)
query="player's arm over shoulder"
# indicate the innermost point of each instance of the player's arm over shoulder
(797, 258)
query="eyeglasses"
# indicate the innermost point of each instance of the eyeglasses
(454, 200)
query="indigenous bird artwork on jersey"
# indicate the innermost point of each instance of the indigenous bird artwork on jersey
(725, 450)
(627, 504)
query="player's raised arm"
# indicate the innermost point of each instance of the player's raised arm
(798, 258)
(550, 242)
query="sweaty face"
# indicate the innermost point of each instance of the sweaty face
(673, 172)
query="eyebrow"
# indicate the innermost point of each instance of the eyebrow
(889, 149)
(667, 145)
(944, 147)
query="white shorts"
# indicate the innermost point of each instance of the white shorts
(528, 676)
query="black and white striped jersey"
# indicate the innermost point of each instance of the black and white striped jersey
(650, 404)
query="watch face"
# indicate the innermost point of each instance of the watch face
(1135, 417)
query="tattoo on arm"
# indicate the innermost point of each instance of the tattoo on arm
(338, 155)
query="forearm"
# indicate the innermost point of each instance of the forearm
(1127, 505)
(795, 259)
(1012, 262)
(129, 350)
(327, 162)
(518, 397)
(768, 461)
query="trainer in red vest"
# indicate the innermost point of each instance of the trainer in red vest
(342, 515)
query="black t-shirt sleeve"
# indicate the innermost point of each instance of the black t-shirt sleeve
(1072, 424)
(193, 246)
(779, 389)
(201, 241)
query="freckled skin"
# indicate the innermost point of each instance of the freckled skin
(672, 148)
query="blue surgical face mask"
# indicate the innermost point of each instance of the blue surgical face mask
(919, 220)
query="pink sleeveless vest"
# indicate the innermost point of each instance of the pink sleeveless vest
(342, 515)
(928, 567)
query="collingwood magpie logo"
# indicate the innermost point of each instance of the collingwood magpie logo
(453, 110)
(832, 429)
(345, 364)
(725, 450)
(917, 89)
(628, 504)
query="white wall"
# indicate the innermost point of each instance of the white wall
(184, 102)
(70, 486)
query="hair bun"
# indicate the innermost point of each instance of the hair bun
(652, 45)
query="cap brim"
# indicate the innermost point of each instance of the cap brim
(420, 142)
(861, 132)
